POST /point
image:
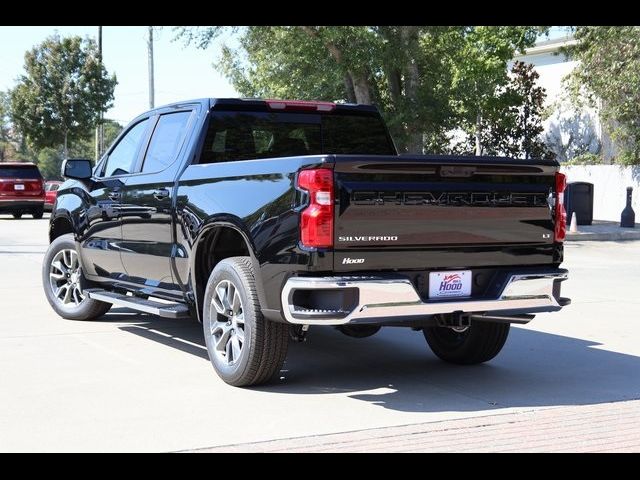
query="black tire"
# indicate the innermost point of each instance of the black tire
(264, 346)
(359, 331)
(479, 343)
(87, 308)
(17, 215)
(37, 213)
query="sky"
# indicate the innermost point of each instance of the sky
(181, 73)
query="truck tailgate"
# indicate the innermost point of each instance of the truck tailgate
(424, 212)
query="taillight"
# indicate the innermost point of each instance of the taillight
(316, 220)
(560, 213)
(300, 105)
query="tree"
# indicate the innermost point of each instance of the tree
(60, 97)
(7, 148)
(479, 73)
(512, 122)
(415, 75)
(608, 77)
(526, 137)
(49, 159)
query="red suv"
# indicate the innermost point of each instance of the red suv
(50, 193)
(21, 189)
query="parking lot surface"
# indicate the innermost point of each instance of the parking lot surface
(137, 382)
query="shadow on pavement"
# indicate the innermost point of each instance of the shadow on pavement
(395, 369)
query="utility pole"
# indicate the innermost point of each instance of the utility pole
(99, 127)
(151, 86)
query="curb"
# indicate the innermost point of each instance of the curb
(601, 236)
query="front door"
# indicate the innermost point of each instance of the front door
(147, 205)
(102, 236)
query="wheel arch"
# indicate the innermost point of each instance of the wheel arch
(217, 240)
(60, 225)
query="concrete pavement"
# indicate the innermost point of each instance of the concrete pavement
(137, 382)
(601, 231)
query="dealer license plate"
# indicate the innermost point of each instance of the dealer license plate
(18, 186)
(450, 284)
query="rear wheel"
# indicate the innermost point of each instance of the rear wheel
(477, 343)
(244, 347)
(359, 331)
(37, 213)
(63, 282)
(17, 215)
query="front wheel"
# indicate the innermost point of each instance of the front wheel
(62, 281)
(244, 347)
(477, 343)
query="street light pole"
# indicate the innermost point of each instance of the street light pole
(151, 84)
(99, 129)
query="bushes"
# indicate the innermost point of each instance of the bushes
(585, 159)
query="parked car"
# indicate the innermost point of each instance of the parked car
(261, 218)
(50, 193)
(21, 189)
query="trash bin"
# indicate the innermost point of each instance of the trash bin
(578, 198)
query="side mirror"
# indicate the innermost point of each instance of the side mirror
(78, 168)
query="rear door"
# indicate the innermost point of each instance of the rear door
(441, 212)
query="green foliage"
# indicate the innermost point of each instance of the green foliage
(522, 136)
(49, 159)
(7, 148)
(609, 77)
(512, 120)
(627, 158)
(111, 131)
(426, 80)
(585, 159)
(479, 76)
(62, 93)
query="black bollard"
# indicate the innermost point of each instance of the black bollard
(628, 216)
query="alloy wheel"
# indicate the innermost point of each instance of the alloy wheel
(64, 278)
(227, 323)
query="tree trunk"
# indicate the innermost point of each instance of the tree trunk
(414, 143)
(348, 85)
(527, 141)
(409, 36)
(478, 131)
(361, 88)
(395, 86)
(359, 80)
(65, 153)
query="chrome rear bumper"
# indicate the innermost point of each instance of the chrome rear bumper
(388, 298)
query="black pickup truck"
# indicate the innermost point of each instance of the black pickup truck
(260, 218)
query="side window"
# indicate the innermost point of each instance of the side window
(123, 156)
(166, 141)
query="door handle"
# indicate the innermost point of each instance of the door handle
(115, 196)
(161, 194)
